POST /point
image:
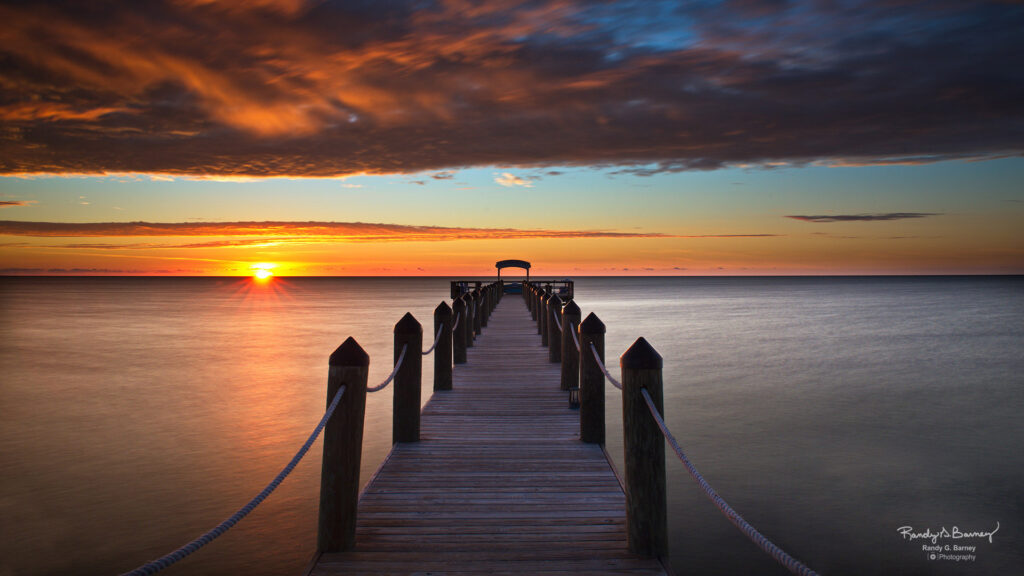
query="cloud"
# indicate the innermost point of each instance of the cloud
(264, 233)
(13, 203)
(231, 90)
(444, 175)
(865, 217)
(510, 180)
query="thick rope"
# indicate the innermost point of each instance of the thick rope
(792, 564)
(603, 369)
(575, 340)
(382, 385)
(436, 340)
(557, 322)
(456, 324)
(165, 561)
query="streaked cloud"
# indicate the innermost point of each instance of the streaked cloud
(13, 203)
(267, 234)
(884, 217)
(231, 90)
(510, 180)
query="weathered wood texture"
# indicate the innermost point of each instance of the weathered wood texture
(499, 483)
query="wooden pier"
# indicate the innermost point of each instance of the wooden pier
(499, 481)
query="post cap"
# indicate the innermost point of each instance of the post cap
(408, 325)
(571, 309)
(592, 325)
(555, 300)
(443, 309)
(350, 353)
(641, 356)
(459, 304)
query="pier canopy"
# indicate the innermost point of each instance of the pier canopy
(513, 264)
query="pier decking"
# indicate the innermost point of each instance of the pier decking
(499, 483)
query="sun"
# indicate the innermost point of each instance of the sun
(263, 270)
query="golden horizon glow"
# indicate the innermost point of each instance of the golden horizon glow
(263, 271)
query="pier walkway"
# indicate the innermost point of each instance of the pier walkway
(499, 482)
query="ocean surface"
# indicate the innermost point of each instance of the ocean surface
(137, 413)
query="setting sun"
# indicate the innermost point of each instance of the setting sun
(263, 270)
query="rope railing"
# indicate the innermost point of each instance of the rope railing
(169, 559)
(398, 364)
(600, 365)
(557, 322)
(575, 340)
(792, 564)
(436, 340)
(456, 323)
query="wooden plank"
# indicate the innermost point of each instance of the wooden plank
(499, 482)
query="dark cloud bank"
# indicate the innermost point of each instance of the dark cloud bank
(307, 88)
(883, 217)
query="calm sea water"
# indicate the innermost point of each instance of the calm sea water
(137, 413)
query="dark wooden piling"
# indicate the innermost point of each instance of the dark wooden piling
(554, 334)
(646, 516)
(406, 403)
(343, 448)
(485, 306)
(459, 332)
(478, 313)
(570, 356)
(443, 351)
(543, 318)
(470, 313)
(591, 381)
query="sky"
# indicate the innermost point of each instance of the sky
(725, 137)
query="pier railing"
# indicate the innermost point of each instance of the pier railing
(455, 329)
(579, 347)
(342, 422)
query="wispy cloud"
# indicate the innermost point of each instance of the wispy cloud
(510, 180)
(13, 203)
(262, 234)
(884, 217)
(235, 90)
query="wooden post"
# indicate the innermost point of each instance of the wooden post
(543, 317)
(478, 312)
(443, 352)
(554, 334)
(343, 448)
(485, 305)
(570, 356)
(591, 381)
(470, 313)
(459, 333)
(406, 402)
(646, 516)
